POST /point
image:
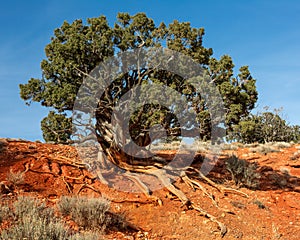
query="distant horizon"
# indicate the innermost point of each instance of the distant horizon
(261, 34)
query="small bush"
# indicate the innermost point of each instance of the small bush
(282, 144)
(266, 126)
(28, 206)
(227, 146)
(263, 149)
(4, 213)
(33, 220)
(242, 172)
(15, 178)
(295, 156)
(259, 204)
(86, 236)
(3, 144)
(89, 213)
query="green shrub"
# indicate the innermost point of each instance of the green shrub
(268, 126)
(243, 173)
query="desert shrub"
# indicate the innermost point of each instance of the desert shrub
(244, 174)
(228, 146)
(34, 227)
(89, 213)
(33, 220)
(282, 144)
(263, 149)
(86, 236)
(15, 178)
(28, 206)
(295, 156)
(4, 213)
(259, 204)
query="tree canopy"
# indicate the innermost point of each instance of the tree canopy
(77, 48)
(266, 126)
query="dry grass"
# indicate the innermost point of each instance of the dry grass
(296, 155)
(15, 178)
(32, 219)
(263, 149)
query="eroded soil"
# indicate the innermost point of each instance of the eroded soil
(271, 212)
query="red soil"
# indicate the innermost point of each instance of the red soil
(272, 212)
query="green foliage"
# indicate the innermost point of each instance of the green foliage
(56, 127)
(244, 174)
(265, 127)
(77, 48)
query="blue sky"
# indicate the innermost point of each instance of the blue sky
(262, 34)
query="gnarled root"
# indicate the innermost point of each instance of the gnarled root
(221, 189)
(223, 228)
(186, 201)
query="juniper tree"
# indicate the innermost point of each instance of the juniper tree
(77, 48)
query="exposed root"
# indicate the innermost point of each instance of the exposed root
(143, 187)
(67, 184)
(186, 201)
(88, 186)
(167, 183)
(193, 183)
(223, 228)
(100, 176)
(139, 183)
(221, 189)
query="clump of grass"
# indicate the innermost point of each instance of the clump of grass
(244, 174)
(263, 149)
(34, 220)
(15, 178)
(89, 213)
(86, 236)
(282, 144)
(259, 204)
(4, 213)
(251, 145)
(228, 146)
(295, 156)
